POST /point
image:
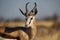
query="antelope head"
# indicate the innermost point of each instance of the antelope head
(30, 16)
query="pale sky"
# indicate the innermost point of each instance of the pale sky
(10, 8)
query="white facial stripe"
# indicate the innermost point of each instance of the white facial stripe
(29, 21)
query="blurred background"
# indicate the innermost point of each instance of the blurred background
(48, 16)
(9, 9)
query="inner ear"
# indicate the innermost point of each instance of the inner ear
(35, 11)
(32, 11)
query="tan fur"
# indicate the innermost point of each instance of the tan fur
(34, 29)
(23, 35)
(14, 34)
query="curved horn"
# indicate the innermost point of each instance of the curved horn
(26, 10)
(26, 7)
(34, 10)
(35, 5)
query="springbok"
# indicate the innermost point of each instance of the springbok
(22, 33)
(31, 20)
(19, 33)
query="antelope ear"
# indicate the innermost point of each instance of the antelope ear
(22, 12)
(35, 11)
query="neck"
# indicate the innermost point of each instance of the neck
(33, 25)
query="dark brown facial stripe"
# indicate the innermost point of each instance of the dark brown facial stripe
(29, 22)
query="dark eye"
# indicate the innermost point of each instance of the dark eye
(31, 18)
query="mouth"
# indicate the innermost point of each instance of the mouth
(27, 26)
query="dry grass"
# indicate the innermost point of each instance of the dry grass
(45, 30)
(51, 33)
(47, 34)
